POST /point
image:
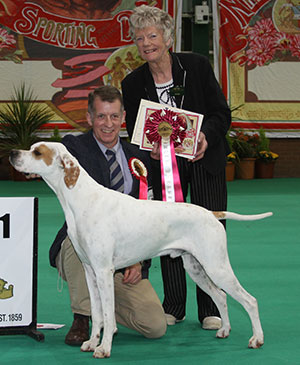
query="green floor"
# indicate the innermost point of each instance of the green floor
(265, 256)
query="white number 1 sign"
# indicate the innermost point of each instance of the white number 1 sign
(18, 269)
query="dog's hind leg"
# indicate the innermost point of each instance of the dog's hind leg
(198, 274)
(96, 310)
(232, 287)
(224, 277)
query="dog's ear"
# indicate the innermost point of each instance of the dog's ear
(71, 170)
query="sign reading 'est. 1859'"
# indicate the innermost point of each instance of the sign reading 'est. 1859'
(16, 269)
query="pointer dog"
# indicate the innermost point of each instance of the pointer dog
(110, 231)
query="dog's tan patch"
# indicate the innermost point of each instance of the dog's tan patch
(42, 152)
(219, 215)
(71, 173)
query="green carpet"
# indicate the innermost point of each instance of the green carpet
(264, 255)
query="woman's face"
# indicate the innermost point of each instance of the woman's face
(151, 44)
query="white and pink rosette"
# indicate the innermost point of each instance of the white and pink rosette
(168, 129)
(139, 171)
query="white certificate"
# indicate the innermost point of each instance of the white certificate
(193, 122)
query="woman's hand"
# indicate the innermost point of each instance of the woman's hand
(201, 148)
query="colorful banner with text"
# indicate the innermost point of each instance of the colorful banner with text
(64, 49)
(260, 63)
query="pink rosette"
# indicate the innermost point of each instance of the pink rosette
(165, 115)
(169, 130)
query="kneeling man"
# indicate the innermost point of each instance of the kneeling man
(105, 157)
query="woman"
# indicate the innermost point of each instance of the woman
(198, 91)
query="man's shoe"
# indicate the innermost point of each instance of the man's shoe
(79, 331)
(211, 323)
(171, 320)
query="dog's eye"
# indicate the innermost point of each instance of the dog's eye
(37, 153)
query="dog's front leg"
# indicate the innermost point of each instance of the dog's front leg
(96, 310)
(105, 284)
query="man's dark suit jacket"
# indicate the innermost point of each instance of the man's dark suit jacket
(202, 94)
(85, 148)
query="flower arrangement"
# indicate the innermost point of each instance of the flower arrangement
(233, 157)
(244, 144)
(267, 156)
(250, 145)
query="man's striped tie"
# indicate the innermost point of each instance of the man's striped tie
(116, 176)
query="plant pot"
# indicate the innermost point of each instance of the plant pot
(264, 170)
(246, 169)
(230, 171)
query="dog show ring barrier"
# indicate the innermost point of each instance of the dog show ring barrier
(18, 268)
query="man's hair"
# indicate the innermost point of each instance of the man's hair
(148, 16)
(105, 93)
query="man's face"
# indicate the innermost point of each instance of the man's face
(106, 121)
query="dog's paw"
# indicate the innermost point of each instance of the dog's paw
(256, 342)
(223, 332)
(101, 353)
(90, 345)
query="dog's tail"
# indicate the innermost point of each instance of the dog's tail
(241, 217)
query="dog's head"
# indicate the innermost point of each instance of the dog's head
(49, 160)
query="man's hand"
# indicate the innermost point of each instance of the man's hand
(133, 274)
(201, 148)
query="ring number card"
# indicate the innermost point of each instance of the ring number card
(18, 269)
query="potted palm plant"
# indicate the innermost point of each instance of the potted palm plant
(20, 120)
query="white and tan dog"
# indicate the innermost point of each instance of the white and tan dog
(110, 231)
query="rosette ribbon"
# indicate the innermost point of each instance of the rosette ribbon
(168, 129)
(139, 170)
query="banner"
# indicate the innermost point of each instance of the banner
(64, 49)
(259, 63)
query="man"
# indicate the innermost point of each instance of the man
(136, 303)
